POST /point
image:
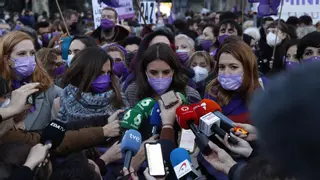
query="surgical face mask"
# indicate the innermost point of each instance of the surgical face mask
(311, 59)
(24, 66)
(101, 83)
(200, 74)
(272, 39)
(70, 57)
(160, 85)
(230, 82)
(183, 55)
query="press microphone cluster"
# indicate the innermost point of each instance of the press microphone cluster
(130, 145)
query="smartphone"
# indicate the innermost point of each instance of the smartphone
(187, 140)
(169, 99)
(155, 159)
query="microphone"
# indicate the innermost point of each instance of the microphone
(155, 118)
(65, 47)
(213, 120)
(188, 119)
(181, 163)
(130, 145)
(132, 119)
(183, 98)
(54, 133)
(145, 106)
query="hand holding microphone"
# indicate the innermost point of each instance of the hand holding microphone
(242, 148)
(130, 145)
(112, 129)
(219, 159)
(37, 155)
(251, 134)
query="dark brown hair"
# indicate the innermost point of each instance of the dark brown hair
(159, 51)
(242, 52)
(85, 67)
(48, 56)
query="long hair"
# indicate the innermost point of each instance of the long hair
(7, 43)
(242, 52)
(159, 51)
(48, 56)
(85, 67)
(206, 56)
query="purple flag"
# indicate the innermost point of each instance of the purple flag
(268, 7)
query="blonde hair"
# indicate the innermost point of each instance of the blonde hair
(189, 40)
(7, 43)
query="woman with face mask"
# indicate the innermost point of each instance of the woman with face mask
(52, 62)
(309, 48)
(290, 59)
(18, 66)
(79, 43)
(237, 78)
(209, 39)
(202, 64)
(159, 72)
(276, 36)
(91, 89)
(184, 48)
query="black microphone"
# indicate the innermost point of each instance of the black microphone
(54, 133)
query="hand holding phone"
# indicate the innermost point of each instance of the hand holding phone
(169, 99)
(155, 159)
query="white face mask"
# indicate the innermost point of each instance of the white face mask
(200, 74)
(5, 103)
(70, 57)
(271, 39)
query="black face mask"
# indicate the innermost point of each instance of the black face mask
(129, 57)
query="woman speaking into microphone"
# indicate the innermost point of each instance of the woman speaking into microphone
(237, 78)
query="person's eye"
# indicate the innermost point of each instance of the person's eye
(118, 59)
(295, 56)
(308, 53)
(21, 53)
(234, 67)
(154, 73)
(177, 47)
(166, 72)
(221, 67)
(32, 53)
(184, 47)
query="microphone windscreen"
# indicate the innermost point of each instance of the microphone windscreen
(155, 118)
(145, 106)
(210, 106)
(200, 111)
(183, 98)
(167, 147)
(53, 133)
(65, 47)
(178, 155)
(185, 114)
(132, 119)
(131, 141)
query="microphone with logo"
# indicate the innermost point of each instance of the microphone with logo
(183, 168)
(145, 106)
(212, 120)
(188, 119)
(54, 133)
(130, 145)
(132, 119)
(155, 119)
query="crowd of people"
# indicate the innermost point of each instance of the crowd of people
(85, 81)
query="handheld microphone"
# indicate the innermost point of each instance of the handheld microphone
(65, 47)
(210, 123)
(155, 118)
(188, 119)
(132, 119)
(181, 162)
(54, 133)
(130, 145)
(145, 106)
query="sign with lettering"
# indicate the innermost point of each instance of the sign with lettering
(125, 11)
(148, 9)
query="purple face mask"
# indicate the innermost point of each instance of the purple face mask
(206, 45)
(101, 83)
(55, 34)
(46, 38)
(60, 70)
(230, 82)
(312, 59)
(222, 38)
(291, 64)
(183, 56)
(24, 66)
(119, 69)
(106, 24)
(160, 85)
